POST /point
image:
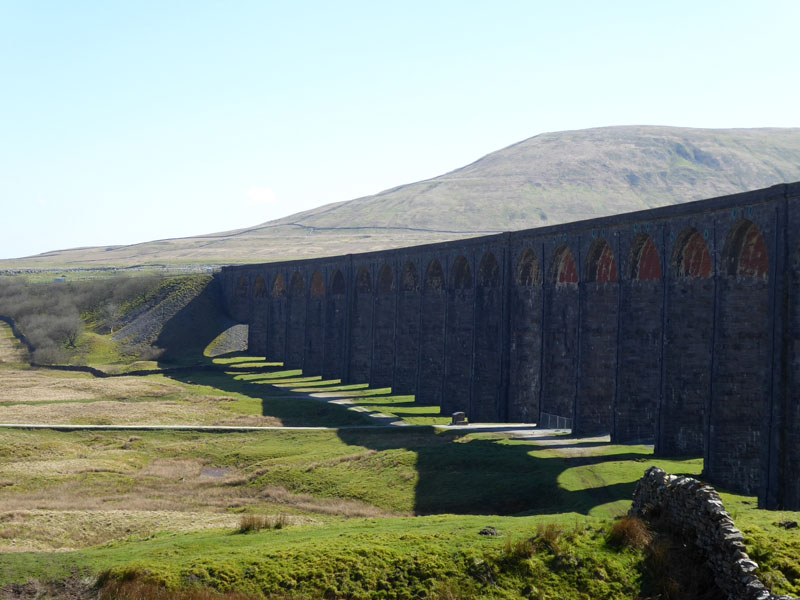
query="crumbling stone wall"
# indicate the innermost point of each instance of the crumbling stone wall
(695, 512)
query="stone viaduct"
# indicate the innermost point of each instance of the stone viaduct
(679, 325)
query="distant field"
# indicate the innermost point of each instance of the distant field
(42, 396)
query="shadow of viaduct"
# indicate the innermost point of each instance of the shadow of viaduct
(679, 324)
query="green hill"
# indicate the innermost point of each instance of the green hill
(547, 179)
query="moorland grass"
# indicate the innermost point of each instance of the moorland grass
(383, 558)
(579, 488)
(374, 513)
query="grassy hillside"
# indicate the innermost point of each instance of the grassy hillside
(571, 175)
(547, 179)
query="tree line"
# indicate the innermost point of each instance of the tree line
(53, 315)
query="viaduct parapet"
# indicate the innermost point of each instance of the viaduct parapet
(679, 325)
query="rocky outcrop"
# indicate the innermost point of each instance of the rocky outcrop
(694, 510)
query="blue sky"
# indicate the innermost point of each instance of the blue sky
(126, 121)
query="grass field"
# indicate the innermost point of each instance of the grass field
(166, 505)
(376, 512)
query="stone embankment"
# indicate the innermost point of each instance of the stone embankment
(694, 510)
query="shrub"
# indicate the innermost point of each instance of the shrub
(50, 355)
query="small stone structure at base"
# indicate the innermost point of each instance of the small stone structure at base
(458, 418)
(696, 512)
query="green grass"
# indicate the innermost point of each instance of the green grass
(293, 383)
(252, 397)
(99, 350)
(404, 407)
(435, 490)
(447, 476)
(386, 558)
(397, 470)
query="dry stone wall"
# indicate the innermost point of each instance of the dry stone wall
(694, 510)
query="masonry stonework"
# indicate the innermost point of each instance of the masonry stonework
(694, 511)
(678, 325)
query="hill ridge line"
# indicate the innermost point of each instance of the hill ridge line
(546, 179)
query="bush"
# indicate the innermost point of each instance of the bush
(50, 355)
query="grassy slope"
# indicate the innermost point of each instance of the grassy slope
(565, 176)
(400, 470)
(387, 557)
(547, 179)
(391, 558)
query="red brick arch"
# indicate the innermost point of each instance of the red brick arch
(337, 284)
(461, 276)
(242, 286)
(563, 268)
(297, 285)
(409, 280)
(317, 285)
(529, 271)
(691, 257)
(385, 280)
(600, 264)
(745, 253)
(363, 281)
(645, 264)
(434, 276)
(279, 287)
(489, 271)
(260, 287)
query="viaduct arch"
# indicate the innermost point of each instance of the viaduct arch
(678, 325)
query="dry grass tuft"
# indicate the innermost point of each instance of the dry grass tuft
(631, 532)
(520, 549)
(209, 398)
(173, 468)
(115, 412)
(259, 522)
(12, 352)
(550, 535)
(250, 421)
